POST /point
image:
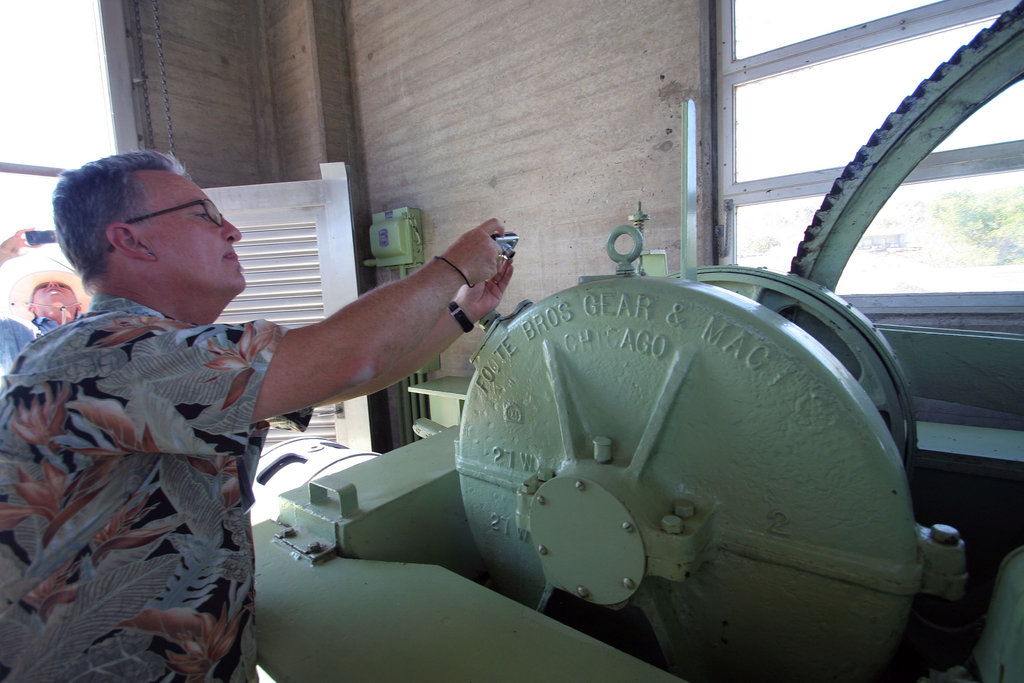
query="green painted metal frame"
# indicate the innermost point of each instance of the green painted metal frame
(363, 620)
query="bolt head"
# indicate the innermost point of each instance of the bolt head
(671, 524)
(543, 550)
(945, 534)
(627, 527)
(684, 508)
(628, 583)
(582, 591)
(541, 500)
(580, 486)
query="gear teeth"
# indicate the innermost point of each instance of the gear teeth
(852, 169)
(879, 144)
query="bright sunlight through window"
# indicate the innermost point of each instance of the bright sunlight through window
(56, 110)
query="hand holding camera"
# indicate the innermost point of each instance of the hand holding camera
(36, 237)
(16, 243)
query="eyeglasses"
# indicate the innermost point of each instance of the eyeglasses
(209, 209)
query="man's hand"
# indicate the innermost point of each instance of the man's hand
(480, 300)
(475, 254)
(12, 246)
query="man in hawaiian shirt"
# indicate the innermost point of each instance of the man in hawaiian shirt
(132, 434)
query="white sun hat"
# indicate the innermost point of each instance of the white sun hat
(21, 275)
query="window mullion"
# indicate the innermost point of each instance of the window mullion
(873, 34)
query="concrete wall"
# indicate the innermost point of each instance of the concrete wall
(216, 88)
(259, 91)
(556, 117)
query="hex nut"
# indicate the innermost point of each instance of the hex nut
(684, 508)
(671, 524)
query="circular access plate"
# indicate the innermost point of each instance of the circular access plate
(588, 541)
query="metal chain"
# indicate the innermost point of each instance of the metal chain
(143, 81)
(163, 76)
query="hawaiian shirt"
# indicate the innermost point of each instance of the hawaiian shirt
(126, 466)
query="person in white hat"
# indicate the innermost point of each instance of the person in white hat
(48, 298)
(39, 302)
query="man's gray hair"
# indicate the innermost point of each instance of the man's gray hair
(88, 199)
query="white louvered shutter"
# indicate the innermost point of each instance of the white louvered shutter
(299, 260)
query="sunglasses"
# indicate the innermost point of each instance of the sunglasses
(209, 209)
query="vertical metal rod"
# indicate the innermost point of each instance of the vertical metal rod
(421, 409)
(688, 238)
(406, 400)
(403, 407)
(424, 399)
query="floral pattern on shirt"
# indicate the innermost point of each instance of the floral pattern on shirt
(126, 470)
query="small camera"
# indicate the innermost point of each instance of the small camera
(34, 237)
(508, 243)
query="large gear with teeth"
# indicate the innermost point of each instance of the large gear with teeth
(973, 76)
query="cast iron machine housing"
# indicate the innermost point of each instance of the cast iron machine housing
(718, 469)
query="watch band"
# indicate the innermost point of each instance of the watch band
(460, 317)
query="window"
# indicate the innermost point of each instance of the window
(58, 107)
(800, 90)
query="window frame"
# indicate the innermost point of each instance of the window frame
(733, 72)
(114, 38)
(119, 75)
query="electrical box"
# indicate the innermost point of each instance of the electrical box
(396, 239)
(654, 262)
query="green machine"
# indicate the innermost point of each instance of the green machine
(704, 479)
